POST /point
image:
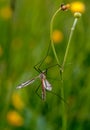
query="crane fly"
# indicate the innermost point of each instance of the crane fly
(44, 84)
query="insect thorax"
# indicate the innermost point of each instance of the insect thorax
(42, 75)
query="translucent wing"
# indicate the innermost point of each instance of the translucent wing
(47, 85)
(25, 83)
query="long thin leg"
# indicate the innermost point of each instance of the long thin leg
(39, 64)
(45, 56)
(58, 96)
(53, 66)
(50, 67)
(36, 91)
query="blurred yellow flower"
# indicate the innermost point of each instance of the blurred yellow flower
(17, 101)
(57, 36)
(6, 12)
(14, 118)
(1, 51)
(77, 6)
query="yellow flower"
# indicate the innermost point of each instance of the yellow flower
(6, 13)
(14, 118)
(57, 36)
(77, 6)
(17, 101)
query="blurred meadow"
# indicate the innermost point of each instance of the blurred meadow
(24, 42)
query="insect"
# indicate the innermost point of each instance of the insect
(44, 84)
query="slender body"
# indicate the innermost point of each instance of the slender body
(44, 84)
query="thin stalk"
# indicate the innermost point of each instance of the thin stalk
(69, 41)
(51, 31)
(64, 120)
(77, 15)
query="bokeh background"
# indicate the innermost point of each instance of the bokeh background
(24, 41)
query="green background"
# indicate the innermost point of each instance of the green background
(24, 40)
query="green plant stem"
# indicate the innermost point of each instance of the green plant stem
(64, 120)
(69, 41)
(51, 31)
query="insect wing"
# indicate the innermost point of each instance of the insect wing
(25, 84)
(47, 85)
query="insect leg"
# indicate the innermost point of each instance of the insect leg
(58, 96)
(36, 91)
(39, 64)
